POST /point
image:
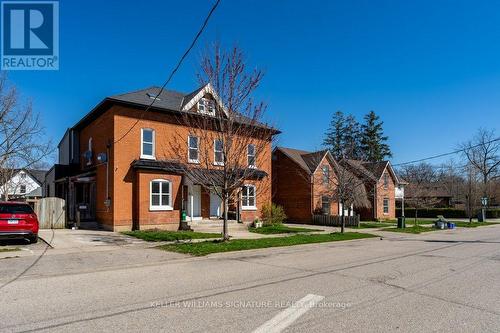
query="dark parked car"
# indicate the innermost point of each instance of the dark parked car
(18, 220)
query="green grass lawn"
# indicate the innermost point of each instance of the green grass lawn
(411, 229)
(411, 221)
(473, 224)
(280, 229)
(9, 249)
(164, 235)
(207, 247)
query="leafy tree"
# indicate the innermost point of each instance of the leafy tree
(334, 136)
(373, 141)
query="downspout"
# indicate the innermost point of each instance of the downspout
(108, 199)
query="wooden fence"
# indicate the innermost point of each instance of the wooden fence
(51, 213)
(335, 220)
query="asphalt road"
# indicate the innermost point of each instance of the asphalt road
(443, 281)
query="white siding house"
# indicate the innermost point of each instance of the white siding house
(24, 185)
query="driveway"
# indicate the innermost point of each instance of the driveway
(65, 241)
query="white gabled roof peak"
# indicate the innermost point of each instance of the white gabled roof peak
(206, 89)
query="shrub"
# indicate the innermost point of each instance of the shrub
(446, 212)
(272, 214)
(433, 212)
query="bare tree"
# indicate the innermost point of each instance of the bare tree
(231, 140)
(483, 153)
(343, 186)
(418, 192)
(472, 191)
(22, 141)
(349, 189)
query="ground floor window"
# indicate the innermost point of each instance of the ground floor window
(325, 205)
(248, 197)
(386, 206)
(160, 195)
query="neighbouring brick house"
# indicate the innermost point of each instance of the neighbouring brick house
(116, 165)
(299, 183)
(380, 182)
(299, 179)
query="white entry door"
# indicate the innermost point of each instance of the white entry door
(194, 205)
(215, 205)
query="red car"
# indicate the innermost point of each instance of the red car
(18, 220)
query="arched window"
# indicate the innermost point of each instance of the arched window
(160, 195)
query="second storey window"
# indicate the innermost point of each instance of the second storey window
(218, 152)
(22, 189)
(193, 147)
(160, 195)
(251, 155)
(326, 175)
(386, 181)
(386, 205)
(248, 197)
(147, 143)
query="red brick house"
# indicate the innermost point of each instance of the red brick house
(300, 181)
(301, 178)
(116, 165)
(380, 182)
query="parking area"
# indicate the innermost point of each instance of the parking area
(60, 241)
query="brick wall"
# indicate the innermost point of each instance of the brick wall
(101, 132)
(321, 189)
(385, 192)
(292, 188)
(171, 142)
(146, 218)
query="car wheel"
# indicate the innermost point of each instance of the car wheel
(33, 239)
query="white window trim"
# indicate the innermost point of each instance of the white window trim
(160, 207)
(388, 206)
(252, 166)
(205, 110)
(144, 156)
(198, 149)
(216, 162)
(254, 207)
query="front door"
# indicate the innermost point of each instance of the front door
(194, 205)
(215, 205)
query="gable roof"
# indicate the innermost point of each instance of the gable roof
(37, 175)
(373, 170)
(309, 161)
(168, 101)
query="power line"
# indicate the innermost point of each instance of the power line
(200, 31)
(446, 154)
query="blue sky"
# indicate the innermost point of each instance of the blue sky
(430, 69)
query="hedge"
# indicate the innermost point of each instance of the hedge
(446, 212)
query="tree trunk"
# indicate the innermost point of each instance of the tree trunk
(225, 235)
(416, 215)
(342, 226)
